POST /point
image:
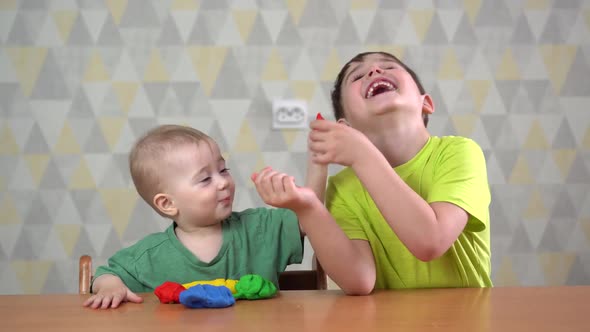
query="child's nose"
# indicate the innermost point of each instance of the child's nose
(375, 69)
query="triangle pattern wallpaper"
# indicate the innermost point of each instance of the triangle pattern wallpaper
(81, 80)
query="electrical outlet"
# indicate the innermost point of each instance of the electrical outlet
(289, 113)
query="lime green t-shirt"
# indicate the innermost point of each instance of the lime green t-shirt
(447, 169)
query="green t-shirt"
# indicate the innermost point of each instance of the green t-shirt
(447, 169)
(255, 241)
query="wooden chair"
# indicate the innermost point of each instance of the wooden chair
(289, 280)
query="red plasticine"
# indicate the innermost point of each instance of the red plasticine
(319, 117)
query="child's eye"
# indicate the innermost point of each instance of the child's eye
(224, 171)
(205, 180)
(357, 77)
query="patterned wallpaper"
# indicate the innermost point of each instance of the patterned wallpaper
(80, 80)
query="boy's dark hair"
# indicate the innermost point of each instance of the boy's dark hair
(336, 91)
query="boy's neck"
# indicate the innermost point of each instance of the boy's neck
(203, 242)
(399, 144)
(198, 231)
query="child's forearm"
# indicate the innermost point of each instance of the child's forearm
(316, 178)
(349, 263)
(106, 281)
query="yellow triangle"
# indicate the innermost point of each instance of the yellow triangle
(37, 164)
(111, 128)
(27, 61)
(558, 61)
(68, 234)
(117, 8)
(296, 8)
(472, 8)
(362, 4)
(464, 124)
(290, 136)
(508, 69)
(95, 70)
(422, 19)
(207, 62)
(155, 70)
(332, 67)
(564, 158)
(185, 5)
(244, 21)
(275, 70)
(31, 274)
(64, 20)
(479, 91)
(396, 50)
(8, 144)
(505, 274)
(556, 267)
(8, 212)
(536, 138)
(246, 141)
(450, 69)
(303, 89)
(536, 4)
(521, 173)
(7, 4)
(536, 207)
(586, 140)
(126, 92)
(81, 177)
(119, 204)
(66, 143)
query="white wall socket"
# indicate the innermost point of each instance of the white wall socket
(289, 113)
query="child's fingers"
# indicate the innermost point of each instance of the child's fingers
(106, 301)
(132, 297)
(277, 182)
(117, 299)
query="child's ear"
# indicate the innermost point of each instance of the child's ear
(427, 104)
(165, 205)
(343, 121)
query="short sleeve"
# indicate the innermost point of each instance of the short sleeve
(122, 265)
(460, 177)
(342, 209)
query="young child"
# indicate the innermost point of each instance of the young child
(180, 172)
(410, 210)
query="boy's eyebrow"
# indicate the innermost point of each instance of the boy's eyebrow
(360, 63)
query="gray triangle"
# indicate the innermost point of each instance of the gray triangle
(112, 245)
(507, 90)
(558, 26)
(576, 82)
(230, 84)
(66, 165)
(84, 246)
(318, 14)
(170, 107)
(8, 94)
(139, 14)
(217, 134)
(50, 84)
(465, 34)
(501, 225)
(96, 142)
(169, 35)
(274, 141)
(23, 201)
(506, 160)
(398, 4)
(347, 34)
(82, 199)
(212, 5)
(97, 213)
(578, 274)
(439, 102)
(80, 108)
(31, 242)
(109, 35)
(578, 172)
(564, 138)
(200, 104)
(186, 92)
(35, 20)
(522, 33)
(577, 193)
(567, 4)
(52, 178)
(522, 104)
(122, 163)
(436, 33)
(140, 126)
(19, 34)
(110, 105)
(112, 177)
(38, 213)
(492, 125)
(290, 56)
(54, 284)
(289, 35)
(535, 90)
(260, 106)
(493, 13)
(36, 142)
(520, 241)
(549, 242)
(8, 165)
(380, 31)
(3, 255)
(143, 221)
(200, 35)
(155, 92)
(535, 158)
(507, 138)
(259, 36)
(79, 35)
(33, 4)
(563, 207)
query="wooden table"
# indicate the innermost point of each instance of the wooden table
(495, 309)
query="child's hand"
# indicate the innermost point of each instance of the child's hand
(279, 190)
(111, 297)
(335, 143)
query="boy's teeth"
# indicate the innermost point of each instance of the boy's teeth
(389, 86)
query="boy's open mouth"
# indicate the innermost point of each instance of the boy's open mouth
(379, 86)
